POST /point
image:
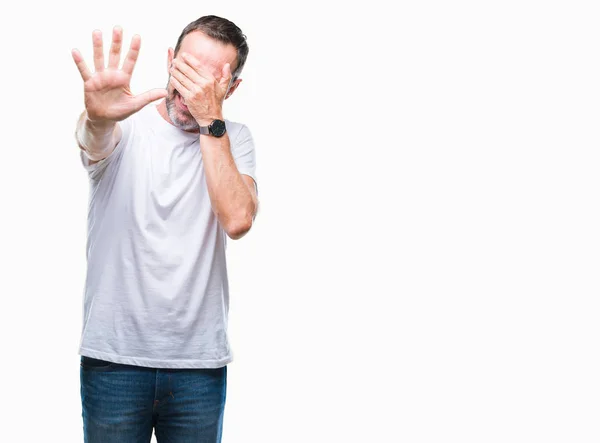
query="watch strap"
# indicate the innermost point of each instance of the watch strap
(216, 128)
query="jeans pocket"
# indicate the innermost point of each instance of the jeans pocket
(94, 364)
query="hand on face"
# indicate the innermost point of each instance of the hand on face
(202, 93)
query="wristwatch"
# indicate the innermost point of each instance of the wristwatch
(216, 128)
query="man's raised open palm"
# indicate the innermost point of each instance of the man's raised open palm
(107, 94)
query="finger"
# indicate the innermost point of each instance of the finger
(132, 54)
(98, 51)
(115, 48)
(187, 70)
(180, 88)
(83, 69)
(182, 78)
(196, 66)
(148, 97)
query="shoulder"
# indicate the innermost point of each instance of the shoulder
(143, 116)
(239, 134)
(233, 127)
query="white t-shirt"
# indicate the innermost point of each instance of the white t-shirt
(156, 291)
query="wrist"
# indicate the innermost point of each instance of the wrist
(99, 125)
(205, 121)
(216, 128)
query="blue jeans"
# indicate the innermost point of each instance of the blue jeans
(123, 404)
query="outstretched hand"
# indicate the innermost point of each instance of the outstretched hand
(107, 93)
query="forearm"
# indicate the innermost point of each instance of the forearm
(96, 139)
(230, 197)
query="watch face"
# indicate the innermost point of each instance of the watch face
(217, 128)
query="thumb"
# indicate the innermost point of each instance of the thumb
(148, 97)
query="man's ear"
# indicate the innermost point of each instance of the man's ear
(233, 87)
(170, 56)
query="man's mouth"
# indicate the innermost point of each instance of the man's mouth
(181, 102)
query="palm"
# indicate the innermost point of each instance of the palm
(107, 94)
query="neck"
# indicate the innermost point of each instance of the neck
(162, 110)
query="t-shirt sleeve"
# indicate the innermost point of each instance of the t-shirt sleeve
(96, 170)
(242, 149)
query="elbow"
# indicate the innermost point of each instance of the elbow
(238, 230)
(239, 227)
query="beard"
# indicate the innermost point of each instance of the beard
(180, 118)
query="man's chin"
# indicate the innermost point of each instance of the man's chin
(187, 124)
(182, 121)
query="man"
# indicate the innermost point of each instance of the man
(168, 184)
